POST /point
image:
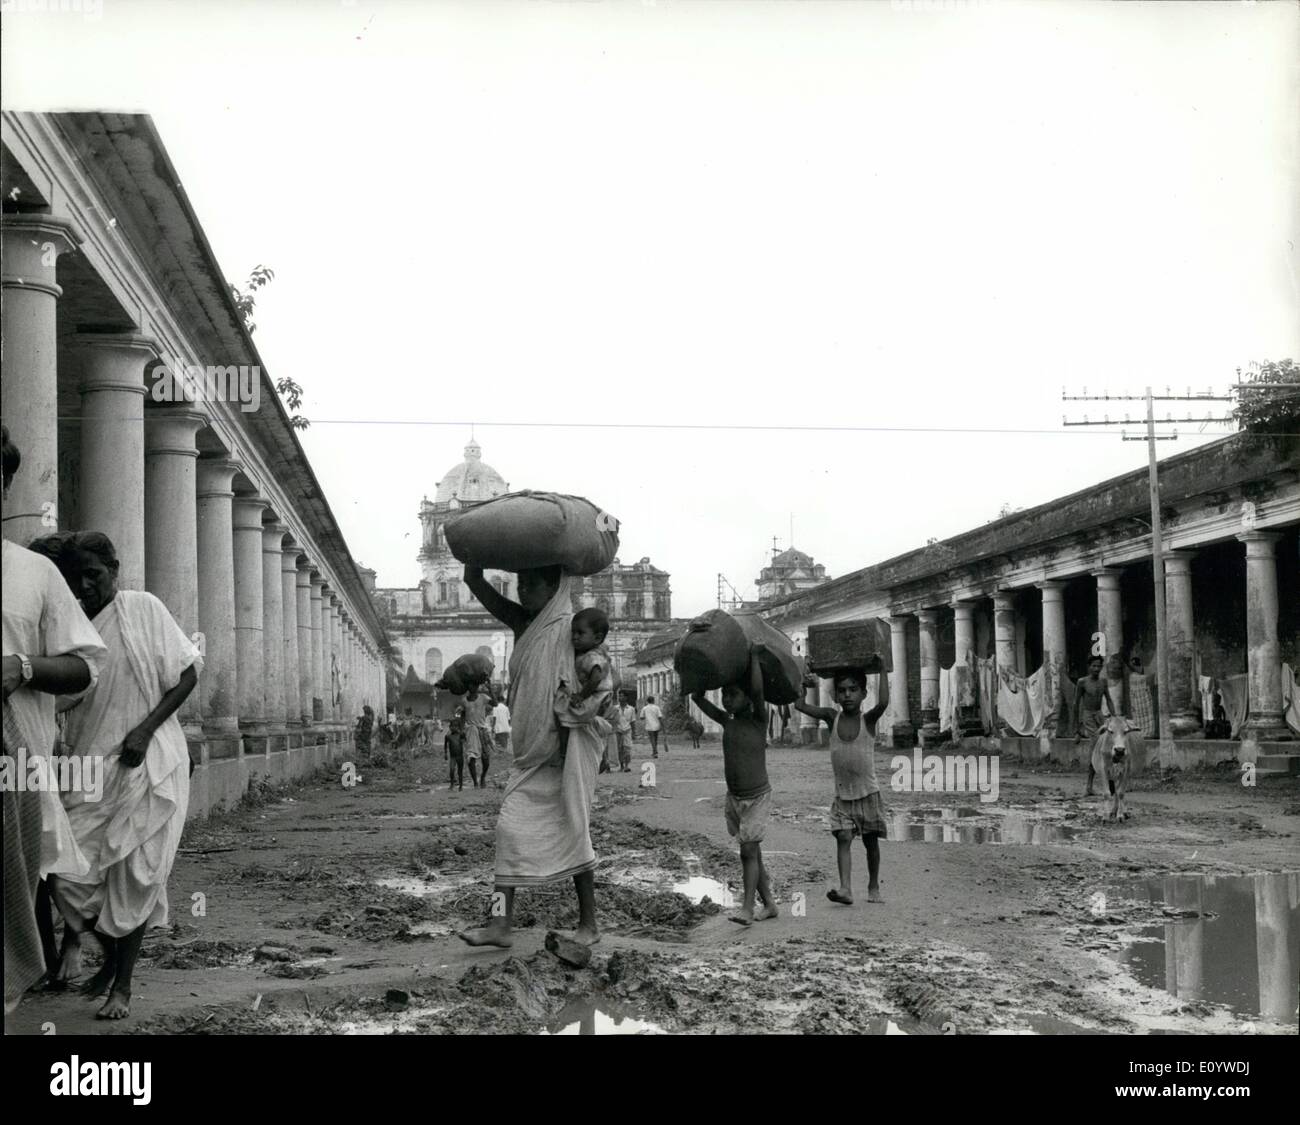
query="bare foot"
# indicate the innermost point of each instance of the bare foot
(488, 935)
(117, 1007)
(742, 918)
(585, 936)
(101, 982)
(841, 896)
(767, 912)
(69, 966)
(873, 894)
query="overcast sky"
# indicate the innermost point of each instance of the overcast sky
(720, 214)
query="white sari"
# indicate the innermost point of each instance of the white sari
(544, 829)
(129, 837)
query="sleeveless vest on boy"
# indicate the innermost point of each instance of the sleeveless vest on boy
(854, 763)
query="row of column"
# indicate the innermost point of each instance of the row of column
(1264, 675)
(279, 646)
(275, 637)
(658, 684)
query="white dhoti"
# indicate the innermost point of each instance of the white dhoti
(130, 835)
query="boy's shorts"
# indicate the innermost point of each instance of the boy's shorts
(747, 819)
(863, 817)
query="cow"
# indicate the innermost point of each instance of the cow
(1118, 750)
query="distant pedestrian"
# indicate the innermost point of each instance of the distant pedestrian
(653, 718)
(500, 723)
(624, 734)
(453, 750)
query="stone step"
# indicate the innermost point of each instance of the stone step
(1278, 764)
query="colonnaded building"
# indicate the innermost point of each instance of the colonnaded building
(439, 620)
(989, 628)
(110, 286)
(1020, 604)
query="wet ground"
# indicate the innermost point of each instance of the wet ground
(328, 910)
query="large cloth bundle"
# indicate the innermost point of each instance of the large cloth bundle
(526, 530)
(466, 672)
(715, 653)
(860, 645)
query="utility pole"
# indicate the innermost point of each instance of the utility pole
(1158, 569)
(1157, 535)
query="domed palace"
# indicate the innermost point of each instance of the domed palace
(439, 620)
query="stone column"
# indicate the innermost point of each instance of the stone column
(289, 591)
(317, 651)
(171, 537)
(336, 709)
(929, 675)
(1004, 631)
(326, 651)
(306, 661)
(219, 684)
(901, 733)
(29, 390)
(112, 446)
(250, 613)
(1264, 721)
(1180, 643)
(273, 624)
(345, 664)
(965, 673)
(1110, 611)
(1004, 641)
(1054, 656)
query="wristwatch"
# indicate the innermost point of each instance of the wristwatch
(27, 671)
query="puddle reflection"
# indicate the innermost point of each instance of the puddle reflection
(1247, 957)
(586, 1017)
(959, 825)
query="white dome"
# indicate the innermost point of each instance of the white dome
(472, 480)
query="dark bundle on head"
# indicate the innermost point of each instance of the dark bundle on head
(593, 619)
(11, 457)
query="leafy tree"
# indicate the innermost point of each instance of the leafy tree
(1268, 399)
(245, 302)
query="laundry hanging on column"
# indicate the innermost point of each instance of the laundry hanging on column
(988, 679)
(1236, 700)
(946, 710)
(1290, 698)
(1021, 702)
(1208, 689)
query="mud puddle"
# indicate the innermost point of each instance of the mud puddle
(592, 1017)
(1230, 940)
(981, 825)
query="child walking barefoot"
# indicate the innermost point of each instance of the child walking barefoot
(857, 809)
(749, 794)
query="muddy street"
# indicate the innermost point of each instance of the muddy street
(323, 909)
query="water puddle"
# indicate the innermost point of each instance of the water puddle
(390, 1025)
(432, 929)
(424, 888)
(1246, 956)
(696, 886)
(969, 825)
(588, 1017)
